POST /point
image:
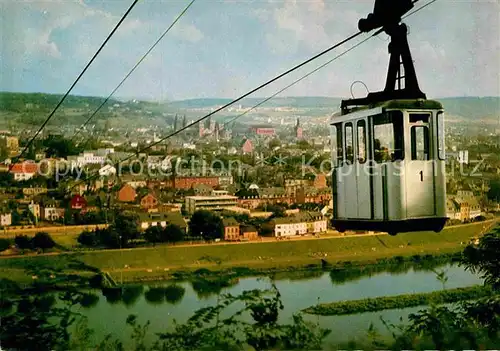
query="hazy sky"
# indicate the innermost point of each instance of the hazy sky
(225, 48)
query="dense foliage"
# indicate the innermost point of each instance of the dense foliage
(119, 234)
(41, 240)
(4, 244)
(206, 224)
(485, 258)
(169, 234)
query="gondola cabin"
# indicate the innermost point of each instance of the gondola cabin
(389, 167)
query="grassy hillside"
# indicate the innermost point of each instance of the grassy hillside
(30, 108)
(21, 102)
(161, 261)
(472, 107)
(295, 102)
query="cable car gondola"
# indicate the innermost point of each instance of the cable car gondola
(388, 148)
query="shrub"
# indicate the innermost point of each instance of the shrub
(108, 238)
(43, 241)
(4, 244)
(23, 242)
(87, 238)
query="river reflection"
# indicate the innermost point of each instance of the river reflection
(208, 287)
(162, 303)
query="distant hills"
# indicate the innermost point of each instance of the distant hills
(469, 108)
(21, 102)
(472, 107)
(295, 102)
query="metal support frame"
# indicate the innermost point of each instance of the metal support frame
(400, 55)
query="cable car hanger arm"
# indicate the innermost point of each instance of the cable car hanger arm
(387, 16)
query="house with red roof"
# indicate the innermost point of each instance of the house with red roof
(78, 202)
(24, 171)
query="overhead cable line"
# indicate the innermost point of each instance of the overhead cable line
(133, 69)
(235, 100)
(78, 78)
(249, 93)
(300, 79)
(318, 68)
(256, 89)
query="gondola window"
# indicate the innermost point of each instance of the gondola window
(361, 141)
(388, 137)
(420, 143)
(336, 144)
(440, 135)
(349, 143)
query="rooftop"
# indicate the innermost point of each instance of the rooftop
(219, 197)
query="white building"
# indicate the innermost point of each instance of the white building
(107, 171)
(159, 162)
(289, 226)
(5, 219)
(94, 157)
(300, 224)
(463, 156)
(53, 213)
(34, 209)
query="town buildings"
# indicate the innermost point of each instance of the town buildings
(24, 171)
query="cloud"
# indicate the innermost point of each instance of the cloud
(188, 32)
(310, 25)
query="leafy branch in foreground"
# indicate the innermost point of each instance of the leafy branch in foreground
(210, 327)
(484, 258)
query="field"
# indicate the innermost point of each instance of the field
(159, 262)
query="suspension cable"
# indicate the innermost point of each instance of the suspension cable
(320, 67)
(77, 79)
(132, 70)
(264, 85)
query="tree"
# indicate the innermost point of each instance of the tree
(206, 224)
(441, 277)
(153, 234)
(303, 145)
(485, 258)
(210, 329)
(29, 216)
(274, 143)
(87, 238)
(22, 242)
(125, 226)
(16, 218)
(173, 233)
(57, 146)
(494, 192)
(4, 244)
(108, 238)
(43, 240)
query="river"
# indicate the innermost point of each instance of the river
(108, 316)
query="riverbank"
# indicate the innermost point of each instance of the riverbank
(399, 301)
(173, 262)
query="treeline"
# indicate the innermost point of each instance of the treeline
(123, 231)
(348, 271)
(41, 240)
(20, 102)
(400, 301)
(112, 238)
